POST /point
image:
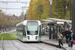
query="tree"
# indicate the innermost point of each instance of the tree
(40, 9)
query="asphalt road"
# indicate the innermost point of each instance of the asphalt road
(18, 45)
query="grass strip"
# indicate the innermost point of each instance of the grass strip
(12, 36)
(5, 37)
(1, 36)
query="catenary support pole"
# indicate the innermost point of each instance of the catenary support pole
(50, 8)
(73, 17)
(49, 32)
(70, 10)
(50, 17)
(50, 11)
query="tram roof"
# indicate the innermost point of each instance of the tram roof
(25, 21)
(22, 23)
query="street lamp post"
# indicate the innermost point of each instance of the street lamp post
(73, 17)
(50, 17)
(50, 8)
(23, 11)
(70, 10)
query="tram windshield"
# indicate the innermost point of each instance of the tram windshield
(32, 27)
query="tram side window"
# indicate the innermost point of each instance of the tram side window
(17, 29)
(20, 29)
(24, 30)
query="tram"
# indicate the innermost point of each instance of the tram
(29, 30)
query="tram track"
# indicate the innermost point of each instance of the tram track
(26, 44)
(31, 45)
(12, 42)
(40, 46)
(2, 41)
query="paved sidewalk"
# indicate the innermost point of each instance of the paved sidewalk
(45, 39)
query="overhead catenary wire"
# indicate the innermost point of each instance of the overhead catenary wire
(23, 6)
(13, 2)
(12, 8)
(17, 1)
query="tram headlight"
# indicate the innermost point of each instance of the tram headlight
(28, 37)
(36, 37)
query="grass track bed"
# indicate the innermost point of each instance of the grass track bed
(12, 36)
(1, 36)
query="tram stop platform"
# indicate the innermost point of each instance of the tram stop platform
(45, 39)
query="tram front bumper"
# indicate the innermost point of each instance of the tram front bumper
(24, 39)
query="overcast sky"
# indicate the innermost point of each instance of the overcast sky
(14, 5)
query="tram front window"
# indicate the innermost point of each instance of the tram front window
(32, 28)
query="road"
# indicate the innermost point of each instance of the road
(17, 45)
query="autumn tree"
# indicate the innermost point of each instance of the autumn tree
(40, 9)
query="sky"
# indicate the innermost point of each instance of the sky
(17, 12)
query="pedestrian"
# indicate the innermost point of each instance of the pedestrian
(60, 37)
(63, 32)
(71, 38)
(64, 37)
(67, 34)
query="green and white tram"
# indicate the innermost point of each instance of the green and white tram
(29, 30)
